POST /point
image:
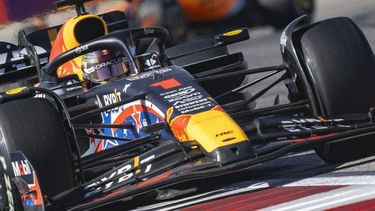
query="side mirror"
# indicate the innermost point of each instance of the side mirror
(231, 37)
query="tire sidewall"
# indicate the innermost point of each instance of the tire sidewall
(350, 59)
(10, 198)
(33, 127)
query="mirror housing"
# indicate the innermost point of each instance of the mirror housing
(231, 37)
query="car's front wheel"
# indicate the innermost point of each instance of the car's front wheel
(341, 67)
(34, 127)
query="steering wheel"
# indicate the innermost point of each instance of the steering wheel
(114, 41)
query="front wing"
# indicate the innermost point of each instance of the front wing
(169, 165)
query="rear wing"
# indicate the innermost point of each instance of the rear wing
(193, 54)
(220, 41)
(15, 66)
(210, 56)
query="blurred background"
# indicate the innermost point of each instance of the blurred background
(194, 19)
(185, 19)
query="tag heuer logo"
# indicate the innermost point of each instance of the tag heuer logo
(150, 62)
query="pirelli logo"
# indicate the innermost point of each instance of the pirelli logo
(224, 133)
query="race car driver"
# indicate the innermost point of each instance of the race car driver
(103, 66)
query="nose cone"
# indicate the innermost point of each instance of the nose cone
(216, 132)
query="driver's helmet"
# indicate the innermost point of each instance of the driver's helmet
(104, 65)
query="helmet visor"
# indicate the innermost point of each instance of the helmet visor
(98, 69)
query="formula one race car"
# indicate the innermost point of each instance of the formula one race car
(204, 16)
(277, 13)
(113, 121)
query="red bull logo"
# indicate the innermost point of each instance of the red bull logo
(179, 127)
(60, 46)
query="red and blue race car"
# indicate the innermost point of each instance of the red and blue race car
(112, 121)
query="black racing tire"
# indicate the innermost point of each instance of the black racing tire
(174, 20)
(34, 127)
(279, 13)
(165, 13)
(341, 66)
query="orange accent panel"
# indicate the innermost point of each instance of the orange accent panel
(218, 108)
(100, 146)
(58, 48)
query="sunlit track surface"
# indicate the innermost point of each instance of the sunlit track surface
(304, 198)
(280, 182)
(304, 170)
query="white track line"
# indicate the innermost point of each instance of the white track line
(246, 186)
(330, 199)
(334, 180)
